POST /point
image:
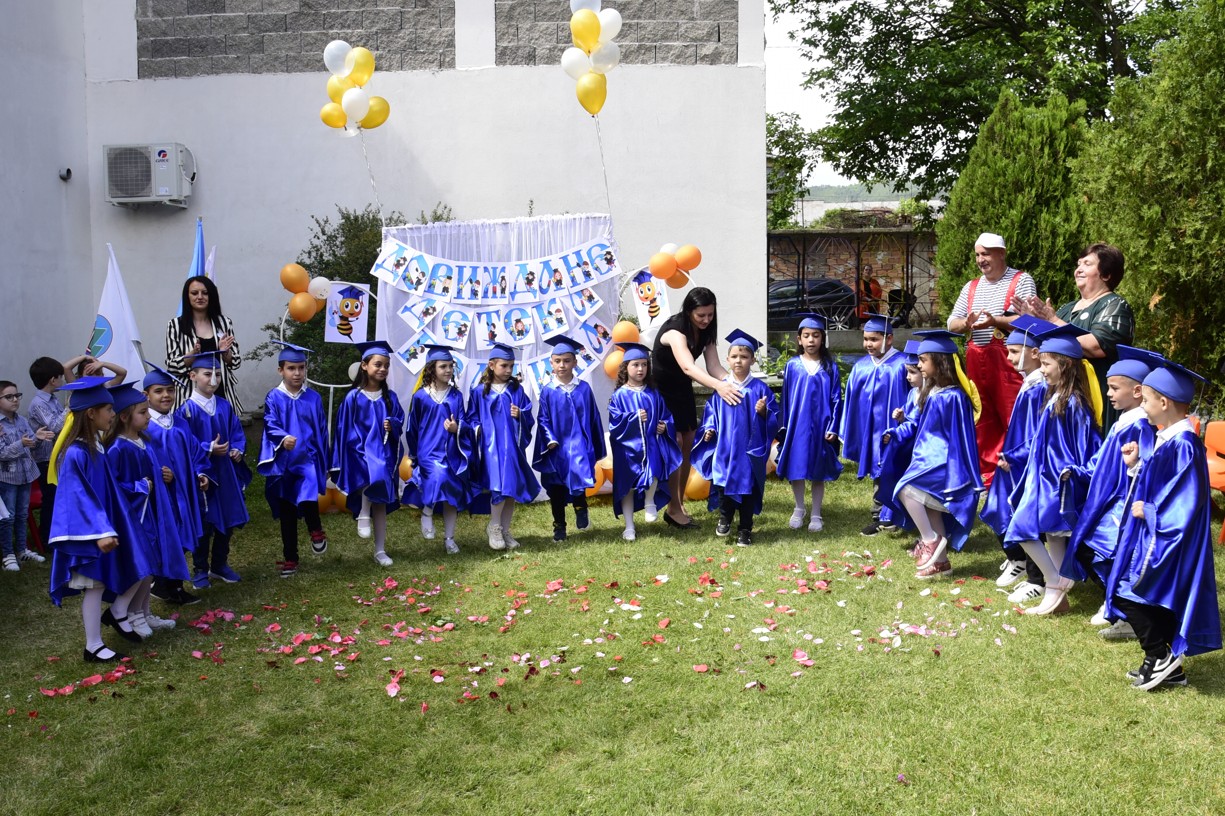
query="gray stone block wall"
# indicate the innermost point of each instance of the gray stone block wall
(677, 32)
(182, 38)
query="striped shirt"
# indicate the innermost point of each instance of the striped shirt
(179, 345)
(989, 297)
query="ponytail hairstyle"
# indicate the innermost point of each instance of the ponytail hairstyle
(363, 379)
(1073, 384)
(944, 376)
(623, 375)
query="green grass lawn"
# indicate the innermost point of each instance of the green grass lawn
(566, 678)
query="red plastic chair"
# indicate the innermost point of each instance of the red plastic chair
(33, 540)
(1214, 441)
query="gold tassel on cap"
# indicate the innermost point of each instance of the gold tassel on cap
(1095, 391)
(970, 388)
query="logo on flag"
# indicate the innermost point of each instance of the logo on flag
(103, 335)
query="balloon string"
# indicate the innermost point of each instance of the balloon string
(627, 275)
(361, 132)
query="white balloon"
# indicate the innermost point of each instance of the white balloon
(605, 58)
(352, 376)
(578, 5)
(610, 24)
(356, 104)
(575, 62)
(319, 287)
(669, 249)
(334, 54)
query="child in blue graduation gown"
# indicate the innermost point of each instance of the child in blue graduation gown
(366, 447)
(212, 423)
(293, 455)
(939, 489)
(1096, 534)
(439, 447)
(569, 438)
(187, 465)
(811, 414)
(875, 388)
(139, 473)
(1066, 436)
(1163, 581)
(500, 415)
(92, 535)
(895, 457)
(1022, 348)
(643, 440)
(734, 442)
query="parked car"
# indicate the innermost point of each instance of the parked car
(830, 298)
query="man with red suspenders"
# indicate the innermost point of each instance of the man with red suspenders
(984, 310)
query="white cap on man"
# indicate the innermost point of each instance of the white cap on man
(989, 240)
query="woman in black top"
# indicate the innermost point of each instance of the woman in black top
(682, 339)
(201, 327)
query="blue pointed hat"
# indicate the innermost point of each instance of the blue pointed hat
(1025, 331)
(1063, 340)
(87, 392)
(937, 341)
(501, 351)
(373, 347)
(634, 351)
(1174, 381)
(1134, 363)
(878, 323)
(440, 354)
(743, 338)
(125, 396)
(911, 351)
(157, 376)
(291, 353)
(810, 320)
(207, 359)
(564, 345)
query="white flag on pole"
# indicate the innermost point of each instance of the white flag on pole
(115, 337)
(208, 265)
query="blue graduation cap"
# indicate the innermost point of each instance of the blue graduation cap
(87, 392)
(878, 323)
(350, 292)
(564, 345)
(911, 351)
(207, 359)
(1174, 381)
(501, 351)
(373, 347)
(125, 396)
(291, 353)
(810, 320)
(643, 277)
(157, 376)
(1062, 340)
(741, 338)
(1025, 331)
(634, 351)
(1134, 363)
(937, 341)
(439, 354)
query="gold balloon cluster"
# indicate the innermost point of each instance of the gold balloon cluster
(594, 53)
(308, 295)
(672, 264)
(351, 69)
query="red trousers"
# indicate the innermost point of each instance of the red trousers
(998, 383)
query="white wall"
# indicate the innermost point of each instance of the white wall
(684, 148)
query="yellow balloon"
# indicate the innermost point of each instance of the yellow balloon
(337, 87)
(379, 111)
(592, 90)
(585, 30)
(333, 115)
(360, 63)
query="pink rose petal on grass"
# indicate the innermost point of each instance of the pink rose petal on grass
(701, 668)
(393, 688)
(665, 623)
(554, 586)
(272, 627)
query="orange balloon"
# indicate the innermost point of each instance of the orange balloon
(625, 332)
(605, 465)
(302, 307)
(697, 488)
(406, 470)
(771, 462)
(688, 257)
(599, 482)
(325, 502)
(337, 500)
(612, 363)
(295, 278)
(678, 281)
(320, 305)
(663, 265)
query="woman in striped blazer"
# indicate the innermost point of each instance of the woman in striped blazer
(201, 327)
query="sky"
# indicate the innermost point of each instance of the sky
(785, 70)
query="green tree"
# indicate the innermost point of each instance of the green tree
(791, 154)
(1155, 182)
(912, 80)
(1018, 182)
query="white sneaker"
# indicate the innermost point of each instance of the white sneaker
(30, 555)
(816, 525)
(511, 542)
(1010, 573)
(1119, 630)
(451, 547)
(1025, 591)
(10, 564)
(158, 624)
(139, 625)
(797, 518)
(383, 559)
(629, 535)
(427, 526)
(363, 526)
(496, 541)
(1099, 618)
(650, 513)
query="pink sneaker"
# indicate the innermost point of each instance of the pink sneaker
(941, 569)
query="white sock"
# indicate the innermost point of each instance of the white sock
(120, 606)
(140, 603)
(378, 520)
(508, 512)
(1038, 554)
(649, 498)
(365, 511)
(797, 490)
(627, 511)
(91, 617)
(449, 516)
(918, 514)
(818, 498)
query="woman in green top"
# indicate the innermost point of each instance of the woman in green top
(1099, 311)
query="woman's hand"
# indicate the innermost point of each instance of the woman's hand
(1039, 308)
(729, 393)
(225, 342)
(195, 352)
(107, 544)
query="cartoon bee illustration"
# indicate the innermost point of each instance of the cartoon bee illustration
(348, 309)
(647, 293)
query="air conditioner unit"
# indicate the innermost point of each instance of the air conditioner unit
(149, 174)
